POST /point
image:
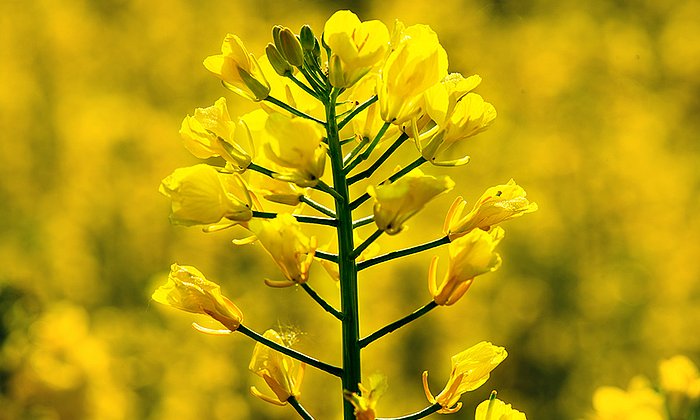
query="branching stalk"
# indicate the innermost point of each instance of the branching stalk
(398, 323)
(322, 302)
(402, 253)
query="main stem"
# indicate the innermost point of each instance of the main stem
(351, 376)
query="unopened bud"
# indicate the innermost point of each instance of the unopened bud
(277, 61)
(290, 47)
(335, 71)
(259, 90)
(307, 37)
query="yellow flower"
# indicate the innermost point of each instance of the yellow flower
(470, 255)
(396, 202)
(679, 375)
(210, 132)
(355, 46)
(367, 123)
(497, 204)
(638, 402)
(457, 114)
(283, 239)
(201, 195)
(416, 63)
(366, 401)
(470, 369)
(296, 145)
(238, 69)
(495, 409)
(188, 290)
(282, 373)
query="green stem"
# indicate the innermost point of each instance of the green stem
(357, 149)
(357, 110)
(299, 408)
(333, 370)
(388, 152)
(356, 253)
(326, 256)
(292, 110)
(300, 218)
(361, 222)
(262, 170)
(398, 323)
(301, 84)
(346, 264)
(415, 416)
(322, 186)
(325, 305)
(413, 165)
(313, 81)
(402, 252)
(368, 151)
(317, 206)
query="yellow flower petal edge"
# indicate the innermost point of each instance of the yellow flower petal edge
(495, 409)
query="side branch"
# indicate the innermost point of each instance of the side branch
(292, 110)
(415, 416)
(403, 252)
(357, 251)
(357, 110)
(322, 302)
(388, 152)
(398, 323)
(299, 408)
(317, 206)
(333, 370)
(364, 197)
(300, 218)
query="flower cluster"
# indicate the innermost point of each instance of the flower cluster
(327, 106)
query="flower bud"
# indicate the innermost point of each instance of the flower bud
(307, 38)
(290, 47)
(278, 62)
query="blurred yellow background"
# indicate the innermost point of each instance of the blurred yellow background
(598, 119)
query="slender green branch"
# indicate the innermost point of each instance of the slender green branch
(292, 110)
(343, 142)
(403, 252)
(357, 251)
(301, 84)
(317, 206)
(299, 408)
(361, 222)
(368, 151)
(262, 170)
(333, 370)
(388, 152)
(326, 256)
(357, 110)
(415, 416)
(398, 323)
(322, 186)
(313, 81)
(300, 218)
(413, 165)
(357, 149)
(325, 305)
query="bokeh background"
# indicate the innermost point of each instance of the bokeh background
(598, 107)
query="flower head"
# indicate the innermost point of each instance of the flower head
(470, 369)
(417, 62)
(366, 401)
(283, 239)
(497, 204)
(238, 69)
(188, 290)
(457, 114)
(282, 373)
(210, 132)
(470, 255)
(201, 196)
(355, 46)
(396, 202)
(295, 144)
(495, 409)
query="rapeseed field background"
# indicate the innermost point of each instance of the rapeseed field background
(598, 106)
